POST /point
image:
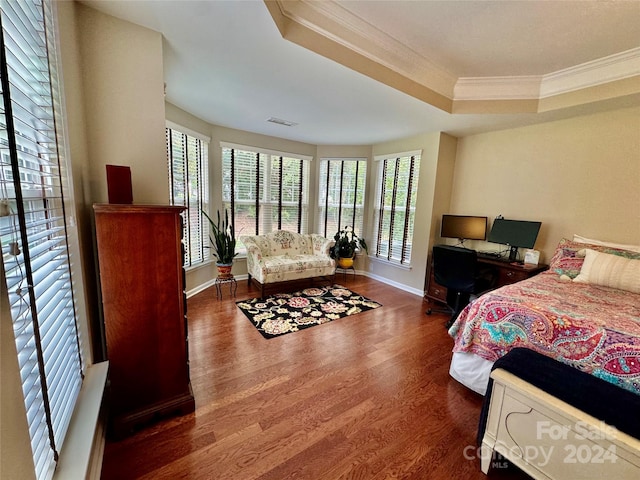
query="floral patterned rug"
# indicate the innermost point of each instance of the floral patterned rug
(289, 312)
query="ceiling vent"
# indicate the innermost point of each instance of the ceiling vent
(279, 121)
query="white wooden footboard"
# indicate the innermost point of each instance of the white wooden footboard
(549, 439)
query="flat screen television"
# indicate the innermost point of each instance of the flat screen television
(515, 234)
(464, 227)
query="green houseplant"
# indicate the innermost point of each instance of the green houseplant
(344, 249)
(223, 243)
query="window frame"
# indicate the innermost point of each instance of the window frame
(267, 194)
(408, 209)
(42, 289)
(325, 180)
(195, 224)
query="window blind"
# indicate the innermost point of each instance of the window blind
(396, 202)
(33, 232)
(187, 158)
(264, 191)
(341, 195)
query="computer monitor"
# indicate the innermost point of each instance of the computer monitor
(515, 233)
(464, 227)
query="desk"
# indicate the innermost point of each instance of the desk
(507, 273)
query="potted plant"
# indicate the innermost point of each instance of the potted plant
(223, 243)
(344, 249)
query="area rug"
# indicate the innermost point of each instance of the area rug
(289, 312)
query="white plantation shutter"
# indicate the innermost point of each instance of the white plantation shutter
(32, 180)
(341, 195)
(264, 190)
(397, 189)
(288, 202)
(243, 187)
(187, 157)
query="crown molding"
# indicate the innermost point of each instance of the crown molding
(498, 88)
(333, 21)
(378, 55)
(591, 74)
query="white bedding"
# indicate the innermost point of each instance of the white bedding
(471, 370)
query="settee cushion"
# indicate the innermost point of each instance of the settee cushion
(282, 268)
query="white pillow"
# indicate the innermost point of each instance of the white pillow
(610, 271)
(580, 239)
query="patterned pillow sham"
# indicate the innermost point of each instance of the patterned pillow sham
(565, 260)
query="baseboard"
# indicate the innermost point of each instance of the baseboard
(211, 283)
(401, 286)
(200, 288)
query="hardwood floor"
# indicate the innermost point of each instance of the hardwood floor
(363, 397)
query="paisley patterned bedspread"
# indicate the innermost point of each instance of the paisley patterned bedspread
(592, 328)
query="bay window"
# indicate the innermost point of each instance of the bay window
(187, 157)
(264, 190)
(341, 195)
(397, 187)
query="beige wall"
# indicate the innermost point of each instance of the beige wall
(579, 175)
(114, 100)
(443, 185)
(123, 83)
(81, 253)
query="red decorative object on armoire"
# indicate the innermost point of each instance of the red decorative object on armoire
(119, 184)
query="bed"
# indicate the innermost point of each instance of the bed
(583, 314)
(592, 327)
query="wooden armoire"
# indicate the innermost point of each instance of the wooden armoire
(142, 282)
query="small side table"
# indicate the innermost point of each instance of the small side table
(345, 270)
(233, 285)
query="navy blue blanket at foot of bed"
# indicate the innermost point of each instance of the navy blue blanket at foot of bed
(596, 397)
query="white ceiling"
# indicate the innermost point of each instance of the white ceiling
(505, 38)
(227, 63)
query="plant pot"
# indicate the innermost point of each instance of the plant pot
(345, 262)
(224, 270)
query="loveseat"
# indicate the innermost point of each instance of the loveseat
(280, 257)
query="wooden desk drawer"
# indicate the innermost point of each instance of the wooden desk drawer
(507, 276)
(437, 291)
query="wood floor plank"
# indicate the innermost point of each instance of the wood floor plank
(363, 397)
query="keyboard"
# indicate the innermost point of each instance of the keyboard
(491, 255)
